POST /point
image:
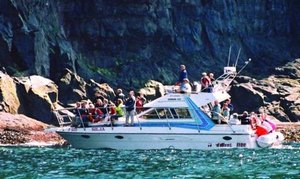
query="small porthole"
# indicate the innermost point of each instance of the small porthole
(119, 137)
(85, 136)
(227, 138)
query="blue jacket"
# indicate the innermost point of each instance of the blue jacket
(182, 75)
(130, 104)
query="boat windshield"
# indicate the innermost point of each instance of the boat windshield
(166, 113)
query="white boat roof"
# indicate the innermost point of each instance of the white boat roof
(177, 100)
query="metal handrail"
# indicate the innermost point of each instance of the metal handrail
(138, 119)
(223, 119)
(82, 123)
(61, 118)
(167, 120)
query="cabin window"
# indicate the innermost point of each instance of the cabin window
(167, 113)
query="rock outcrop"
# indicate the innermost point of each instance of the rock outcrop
(38, 96)
(20, 129)
(34, 96)
(279, 94)
(9, 99)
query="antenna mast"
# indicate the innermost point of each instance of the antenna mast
(229, 56)
(237, 58)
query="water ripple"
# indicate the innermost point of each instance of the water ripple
(24, 162)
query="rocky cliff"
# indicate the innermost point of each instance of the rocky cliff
(127, 42)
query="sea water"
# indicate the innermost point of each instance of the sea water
(67, 162)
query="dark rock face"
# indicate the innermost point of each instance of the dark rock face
(126, 43)
(72, 88)
(245, 97)
(32, 38)
(290, 70)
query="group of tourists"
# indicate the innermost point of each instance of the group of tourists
(224, 115)
(206, 82)
(102, 110)
(221, 114)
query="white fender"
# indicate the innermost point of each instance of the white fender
(279, 137)
(268, 140)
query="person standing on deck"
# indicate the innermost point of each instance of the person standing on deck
(182, 75)
(205, 83)
(212, 80)
(140, 101)
(130, 108)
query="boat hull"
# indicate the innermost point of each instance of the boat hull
(136, 138)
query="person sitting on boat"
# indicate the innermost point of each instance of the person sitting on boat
(95, 114)
(244, 118)
(185, 87)
(105, 108)
(119, 110)
(262, 114)
(234, 119)
(216, 113)
(99, 103)
(77, 108)
(229, 104)
(119, 95)
(254, 120)
(76, 112)
(196, 87)
(225, 111)
(205, 82)
(130, 108)
(83, 112)
(111, 114)
(97, 95)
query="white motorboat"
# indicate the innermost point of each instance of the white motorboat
(177, 121)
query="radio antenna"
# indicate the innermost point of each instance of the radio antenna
(229, 53)
(237, 58)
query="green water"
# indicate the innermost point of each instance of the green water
(22, 162)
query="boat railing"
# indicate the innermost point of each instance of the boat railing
(83, 117)
(64, 117)
(79, 117)
(221, 119)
